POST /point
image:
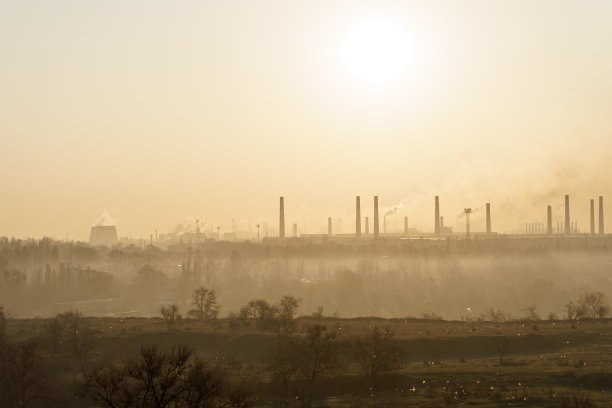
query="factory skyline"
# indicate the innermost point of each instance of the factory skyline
(104, 232)
(568, 227)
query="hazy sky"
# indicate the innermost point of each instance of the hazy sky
(157, 111)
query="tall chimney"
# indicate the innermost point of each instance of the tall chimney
(329, 226)
(601, 218)
(367, 226)
(441, 223)
(549, 230)
(375, 217)
(405, 225)
(592, 217)
(437, 215)
(281, 222)
(295, 230)
(488, 219)
(568, 226)
(357, 216)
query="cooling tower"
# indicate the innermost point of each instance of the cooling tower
(437, 215)
(357, 216)
(281, 221)
(103, 235)
(375, 216)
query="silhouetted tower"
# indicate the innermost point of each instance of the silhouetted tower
(592, 217)
(281, 221)
(376, 217)
(329, 226)
(568, 226)
(601, 218)
(488, 219)
(549, 230)
(295, 230)
(437, 215)
(467, 212)
(357, 216)
(405, 225)
(367, 226)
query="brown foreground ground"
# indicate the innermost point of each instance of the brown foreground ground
(551, 363)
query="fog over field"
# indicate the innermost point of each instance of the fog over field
(397, 278)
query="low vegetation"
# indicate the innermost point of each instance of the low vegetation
(272, 357)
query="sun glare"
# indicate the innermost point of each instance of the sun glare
(376, 51)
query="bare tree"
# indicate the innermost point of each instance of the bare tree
(319, 358)
(259, 311)
(286, 310)
(284, 362)
(158, 379)
(503, 344)
(320, 353)
(171, 314)
(205, 301)
(591, 305)
(22, 374)
(109, 386)
(374, 353)
(55, 329)
(495, 316)
(2, 321)
(532, 314)
(571, 310)
(78, 330)
(603, 311)
(159, 375)
(209, 386)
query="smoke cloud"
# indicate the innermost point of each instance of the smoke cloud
(105, 220)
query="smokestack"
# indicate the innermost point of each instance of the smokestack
(437, 215)
(549, 230)
(568, 226)
(601, 219)
(281, 222)
(441, 223)
(295, 230)
(488, 219)
(367, 226)
(375, 217)
(405, 225)
(357, 216)
(592, 217)
(329, 226)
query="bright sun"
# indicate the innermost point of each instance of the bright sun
(376, 51)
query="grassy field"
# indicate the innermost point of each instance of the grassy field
(551, 363)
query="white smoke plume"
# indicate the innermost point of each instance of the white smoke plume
(105, 220)
(393, 209)
(189, 225)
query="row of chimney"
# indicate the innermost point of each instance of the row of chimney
(438, 219)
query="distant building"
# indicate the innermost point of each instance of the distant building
(103, 235)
